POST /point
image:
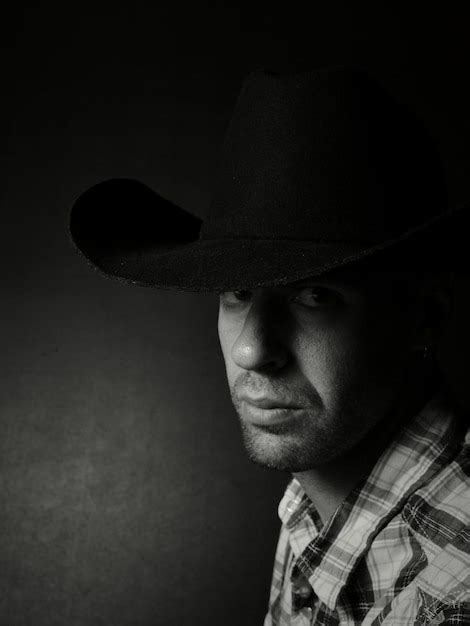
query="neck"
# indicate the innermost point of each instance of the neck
(328, 486)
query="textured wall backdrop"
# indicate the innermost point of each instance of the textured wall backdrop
(126, 497)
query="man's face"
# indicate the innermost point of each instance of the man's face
(313, 366)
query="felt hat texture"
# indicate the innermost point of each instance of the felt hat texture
(318, 170)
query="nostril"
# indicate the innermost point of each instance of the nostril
(258, 353)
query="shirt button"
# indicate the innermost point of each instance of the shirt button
(307, 612)
(291, 506)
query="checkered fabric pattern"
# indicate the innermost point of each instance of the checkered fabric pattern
(397, 550)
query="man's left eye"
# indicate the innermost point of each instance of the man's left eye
(232, 298)
(315, 297)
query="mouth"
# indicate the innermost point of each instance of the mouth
(269, 412)
(264, 402)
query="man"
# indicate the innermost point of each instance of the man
(330, 243)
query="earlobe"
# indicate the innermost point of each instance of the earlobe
(443, 305)
(447, 302)
(433, 314)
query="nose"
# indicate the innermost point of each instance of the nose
(259, 345)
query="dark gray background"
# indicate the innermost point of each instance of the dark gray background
(126, 497)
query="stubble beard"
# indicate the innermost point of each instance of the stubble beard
(313, 440)
(284, 449)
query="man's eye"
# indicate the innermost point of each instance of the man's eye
(315, 297)
(232, 298)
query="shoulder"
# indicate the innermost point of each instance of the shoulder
(438, 515)
(439, 512)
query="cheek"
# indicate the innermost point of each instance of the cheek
(329, 360)
(340, 358)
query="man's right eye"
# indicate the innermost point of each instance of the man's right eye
(234, 298)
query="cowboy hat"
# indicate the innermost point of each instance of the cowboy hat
(318, 170)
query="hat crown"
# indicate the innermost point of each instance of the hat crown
(328, 155)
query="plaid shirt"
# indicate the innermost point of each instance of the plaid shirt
(397, 550)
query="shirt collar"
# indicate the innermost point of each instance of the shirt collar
(417, 452)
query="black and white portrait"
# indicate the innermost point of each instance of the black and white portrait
(235, 320)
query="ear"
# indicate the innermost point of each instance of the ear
(433, 309)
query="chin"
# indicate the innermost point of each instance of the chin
(282, 451)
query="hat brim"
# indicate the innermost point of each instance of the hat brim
(130, 233)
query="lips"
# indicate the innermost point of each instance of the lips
(264, 411)
(269, 403)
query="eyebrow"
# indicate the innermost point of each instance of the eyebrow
(346, 281)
